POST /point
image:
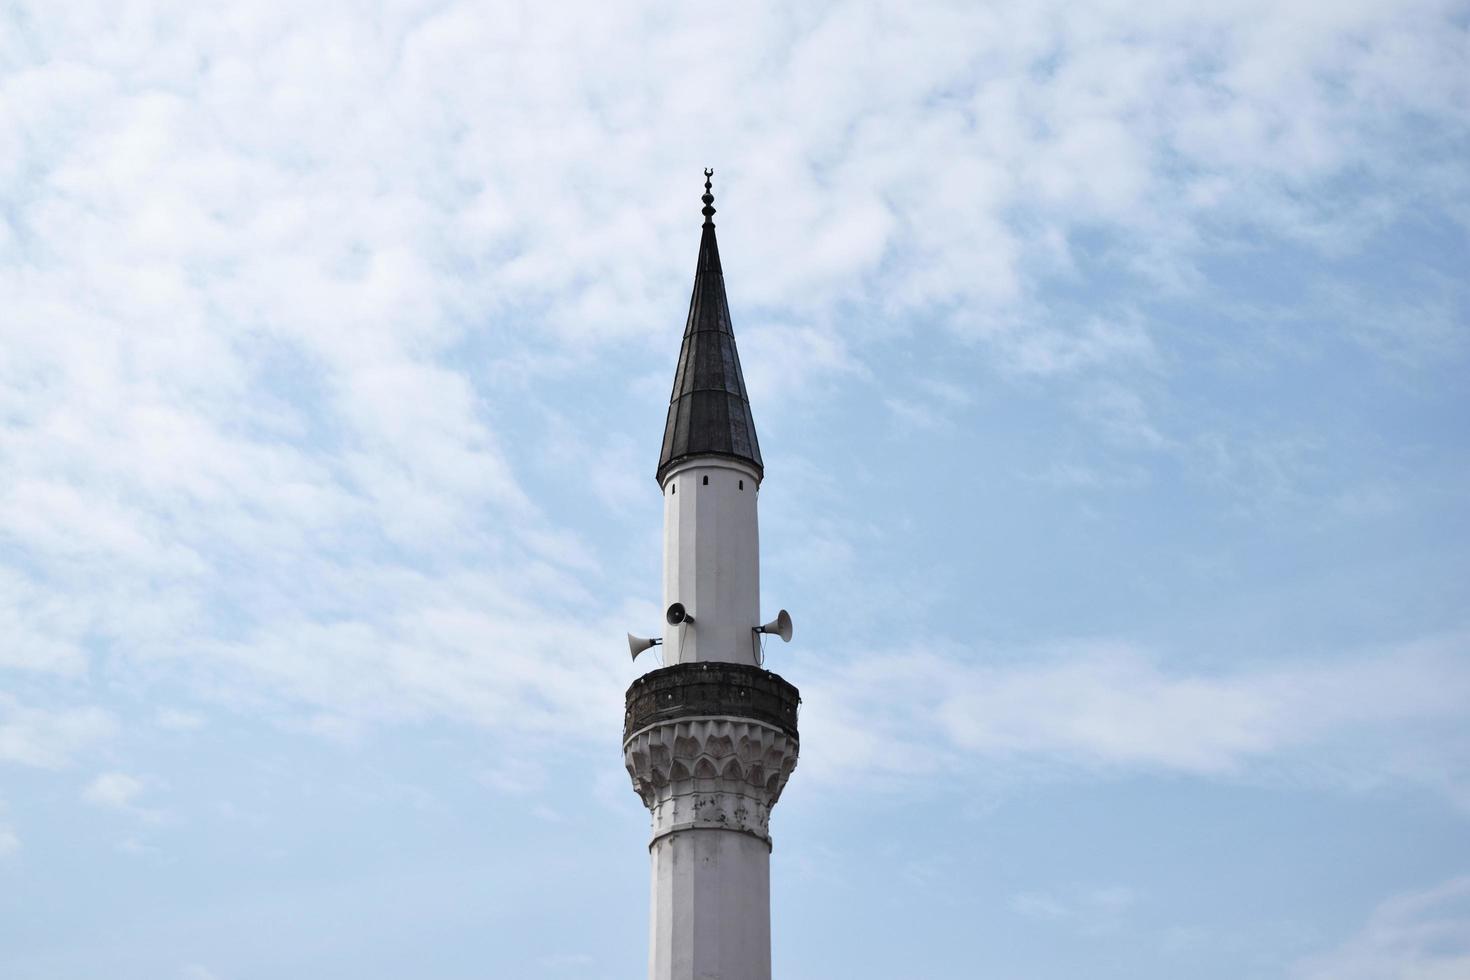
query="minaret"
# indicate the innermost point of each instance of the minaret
(711, 738)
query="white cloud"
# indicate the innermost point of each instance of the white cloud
(9, 840)
(41, 630)
(174, 720)
(1110, 708)
(1082, 476)
(113, 790)
(1051, 349)
(515, 775)
(48, 738)
(1090, 910)
(1415, 936)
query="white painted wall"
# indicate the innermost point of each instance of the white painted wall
(711, 907)
(712, 560)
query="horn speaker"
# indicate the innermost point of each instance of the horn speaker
(781, 626)
(637, 644)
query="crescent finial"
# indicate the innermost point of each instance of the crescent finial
(709, 198)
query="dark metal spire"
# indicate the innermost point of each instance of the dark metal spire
(709, 411)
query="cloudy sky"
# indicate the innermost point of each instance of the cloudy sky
(1109, 362)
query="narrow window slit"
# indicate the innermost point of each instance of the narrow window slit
(706, 481)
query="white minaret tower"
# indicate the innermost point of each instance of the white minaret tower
(711, 738)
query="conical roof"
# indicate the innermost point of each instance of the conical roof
(709, 411)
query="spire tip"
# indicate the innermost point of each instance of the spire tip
(709, 199)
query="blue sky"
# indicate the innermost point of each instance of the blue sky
(1109, 366)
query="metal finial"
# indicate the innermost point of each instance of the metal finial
(709, 199)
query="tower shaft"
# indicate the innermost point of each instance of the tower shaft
(712, 560)
(710, 907)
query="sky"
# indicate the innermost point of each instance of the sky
(1109, 364)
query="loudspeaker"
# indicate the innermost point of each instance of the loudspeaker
(781, 626)
(637, 644)
(677, 615)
